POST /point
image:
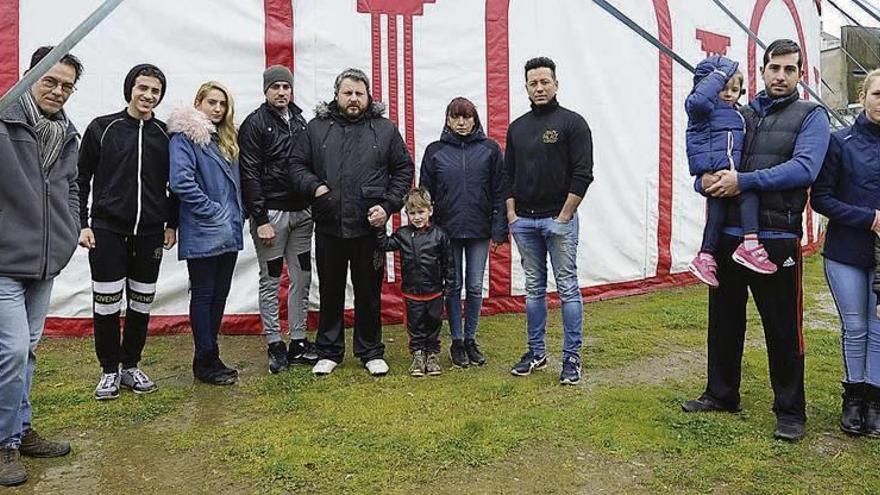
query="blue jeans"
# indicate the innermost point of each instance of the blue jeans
(716, 218)
(475, 253)
(535, 238)
(859, 326)
(209, 282)
(23, 308)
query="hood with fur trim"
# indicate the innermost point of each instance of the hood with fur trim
(326, 110)
(191, 123)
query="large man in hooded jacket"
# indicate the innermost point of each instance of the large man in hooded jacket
(356, 166)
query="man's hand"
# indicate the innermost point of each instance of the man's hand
(377, 216)
(727, 186)
(87, 238)
(709, 179)
(266, 234)
(170, 238)
(876, 225)
(321, 190)
(511, 217)
(563, 217)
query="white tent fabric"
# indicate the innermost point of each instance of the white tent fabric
(607, 73)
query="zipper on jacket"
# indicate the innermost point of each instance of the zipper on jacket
(140, 161)
(44, 270)
(731, 165)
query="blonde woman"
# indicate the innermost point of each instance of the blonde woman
(205, 176)
(847, 191)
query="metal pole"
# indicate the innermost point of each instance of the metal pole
(861, 37)
(58, 52)
(873, 13)
(763, 46)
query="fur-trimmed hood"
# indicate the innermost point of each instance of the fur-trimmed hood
(191, 123)
(326, 110)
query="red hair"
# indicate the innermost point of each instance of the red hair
(461, 107)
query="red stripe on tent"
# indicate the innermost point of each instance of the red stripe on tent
(376, 45)
(408, 85)
(664, 193)
(498, 105)
(393, 60)
(8, 44)
(392, 312)
(279, 32)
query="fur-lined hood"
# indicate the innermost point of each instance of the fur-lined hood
(326, 110)
(192, 124)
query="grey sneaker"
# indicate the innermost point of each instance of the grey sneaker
(432, 364)
(137, 381)
(108, 387)
(417, 368)
(12, 471)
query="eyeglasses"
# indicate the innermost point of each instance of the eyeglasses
(49, 83)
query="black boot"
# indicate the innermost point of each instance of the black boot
(853, 403)
(871, 412)
(473, 352)
(458, 353)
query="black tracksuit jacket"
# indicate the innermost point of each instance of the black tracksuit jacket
(267, 143)
(128, 160)
(549, 155)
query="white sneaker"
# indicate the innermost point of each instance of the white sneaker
(108, 387)
(377, 367)
(324, 367)
(137, 381)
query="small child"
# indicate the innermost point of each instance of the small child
(428, 271)
(715, 136)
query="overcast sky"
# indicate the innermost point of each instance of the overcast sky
(832, 19)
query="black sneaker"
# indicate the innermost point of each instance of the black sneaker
(571, 370)
(790, 431)
(705, 404)
(458, 354)
(277, 352)
(528, 363)
(473, 352)
(12, 471)
(301, 351)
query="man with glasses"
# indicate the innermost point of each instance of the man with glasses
(39, 211)
(280, 219)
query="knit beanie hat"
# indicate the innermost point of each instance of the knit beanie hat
(135, 72)
(275, 74)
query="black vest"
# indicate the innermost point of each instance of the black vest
(770, 141)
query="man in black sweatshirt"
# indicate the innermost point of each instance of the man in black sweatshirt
(133, 216)
(549, 165)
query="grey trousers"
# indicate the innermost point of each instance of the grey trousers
(293, 244)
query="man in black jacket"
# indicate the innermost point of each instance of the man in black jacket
(133, 216)
(280, 220)
(355, 164)
(549, 160)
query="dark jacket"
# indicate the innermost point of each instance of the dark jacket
(267, 143)
(128, 159)
(208, 185)
(464, 175)
(549, 155)
(39, 209)
(426, 263)
(715, 130)
(847, 191)
(364, 163)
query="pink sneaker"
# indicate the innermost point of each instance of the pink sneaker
(756, 260)
(703, 266)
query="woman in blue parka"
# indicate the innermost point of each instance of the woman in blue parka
(463, 172)
(847, 191)
(205, 176)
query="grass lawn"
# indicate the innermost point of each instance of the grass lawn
(467, 431)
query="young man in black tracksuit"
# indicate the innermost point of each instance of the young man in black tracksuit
(427, 267)
(280, 219)
(125, 157)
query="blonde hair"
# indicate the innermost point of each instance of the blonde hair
(417, 197)
(226, 128)
(866, 82)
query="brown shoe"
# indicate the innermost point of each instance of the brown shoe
(12, 471)
(33, 445)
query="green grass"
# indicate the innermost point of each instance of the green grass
(474, 431)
